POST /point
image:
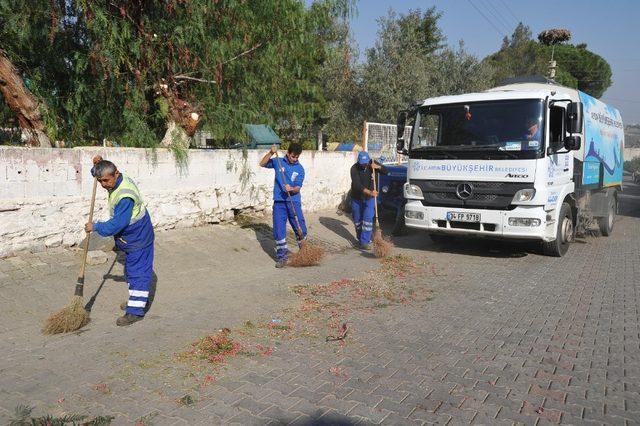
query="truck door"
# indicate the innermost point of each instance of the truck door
(560, 161)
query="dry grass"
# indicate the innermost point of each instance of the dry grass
(71, 318)
(215, 348)
(308, 255)
(323, 314)
(382, 246)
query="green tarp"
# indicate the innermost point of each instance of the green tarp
(261, 134)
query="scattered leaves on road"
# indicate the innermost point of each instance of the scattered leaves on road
(186, 400)
(324, 313)
(103, 388)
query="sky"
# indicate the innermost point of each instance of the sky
(609, 28)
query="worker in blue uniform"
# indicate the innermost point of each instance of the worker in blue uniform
(363, 197)
(130, 225)
(289, 176)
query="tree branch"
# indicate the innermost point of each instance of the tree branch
(201, 80)
(246, 52)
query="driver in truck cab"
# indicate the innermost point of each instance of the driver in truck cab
(532, 132)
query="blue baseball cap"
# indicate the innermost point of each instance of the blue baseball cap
(363, 157)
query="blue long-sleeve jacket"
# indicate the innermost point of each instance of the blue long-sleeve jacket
(294, 176)
(128, 237)
(121, 218)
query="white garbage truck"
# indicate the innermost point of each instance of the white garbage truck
(523, 161)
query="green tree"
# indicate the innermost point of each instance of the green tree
(340, 87)
(518, 56)
(398, 69)
(580, 68)
(456, 71)
(577, 67)
(131, 70)
(42, 40)
(410, 62)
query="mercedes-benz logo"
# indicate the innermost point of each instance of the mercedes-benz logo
(464, 191)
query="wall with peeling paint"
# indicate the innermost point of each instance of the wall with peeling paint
(45, 193)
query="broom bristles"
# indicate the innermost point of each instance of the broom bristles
(308, 255)
(70, 318)
(381, 246)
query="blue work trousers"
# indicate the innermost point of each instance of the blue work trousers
(362, 212)
(282, 211)
(139, 273)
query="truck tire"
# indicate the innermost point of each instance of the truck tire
(565, 230)
(606, 223)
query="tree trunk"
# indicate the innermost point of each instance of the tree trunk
(175, 135)
(182, 120)
(23, 103)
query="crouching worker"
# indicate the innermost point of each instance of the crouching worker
(289, 175)
(130, 225)
(363, 197)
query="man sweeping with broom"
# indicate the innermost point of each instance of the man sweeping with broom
(289, 176)
(130, 225)
(363, 197)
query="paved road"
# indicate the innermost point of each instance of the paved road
(506, 335)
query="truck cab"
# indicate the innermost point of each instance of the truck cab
(526, 161)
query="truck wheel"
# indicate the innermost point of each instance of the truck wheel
(564, 233)
(606, 223)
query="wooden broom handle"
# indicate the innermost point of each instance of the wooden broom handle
(375, 188)
(86, 244)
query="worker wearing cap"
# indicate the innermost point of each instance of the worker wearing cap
(363, 197)
(130, 225)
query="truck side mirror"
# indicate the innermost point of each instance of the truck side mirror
(572, 143)
(402, 120)
(574, 117)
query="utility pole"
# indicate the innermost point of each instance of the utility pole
(551, 38)
(552, 64)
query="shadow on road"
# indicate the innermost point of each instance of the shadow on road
(483, 247)
(120, 258)
(340, 228)
(629, 206)
(329, 420)
(264, 235)
(629, 199)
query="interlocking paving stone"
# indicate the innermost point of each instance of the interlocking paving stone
(509, 336)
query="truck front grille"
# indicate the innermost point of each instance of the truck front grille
(485, 195)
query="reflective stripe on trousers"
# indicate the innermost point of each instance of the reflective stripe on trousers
(363, 212)
(139, 273)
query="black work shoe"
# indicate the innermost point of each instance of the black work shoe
(281, 263)
(127, 319)
(366, 246)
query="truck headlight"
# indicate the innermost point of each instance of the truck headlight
(524, 221)
(412, 191)
(410, 214)
(524, 195)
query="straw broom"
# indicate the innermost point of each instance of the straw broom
(74, 316)
(381, 246)
(308, 254)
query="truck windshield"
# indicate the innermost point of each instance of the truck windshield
(494, 129)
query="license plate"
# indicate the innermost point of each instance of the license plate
(463, 217)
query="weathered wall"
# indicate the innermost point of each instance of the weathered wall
(631, 153)
(45, 193)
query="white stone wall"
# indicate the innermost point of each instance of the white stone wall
(45, 193)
